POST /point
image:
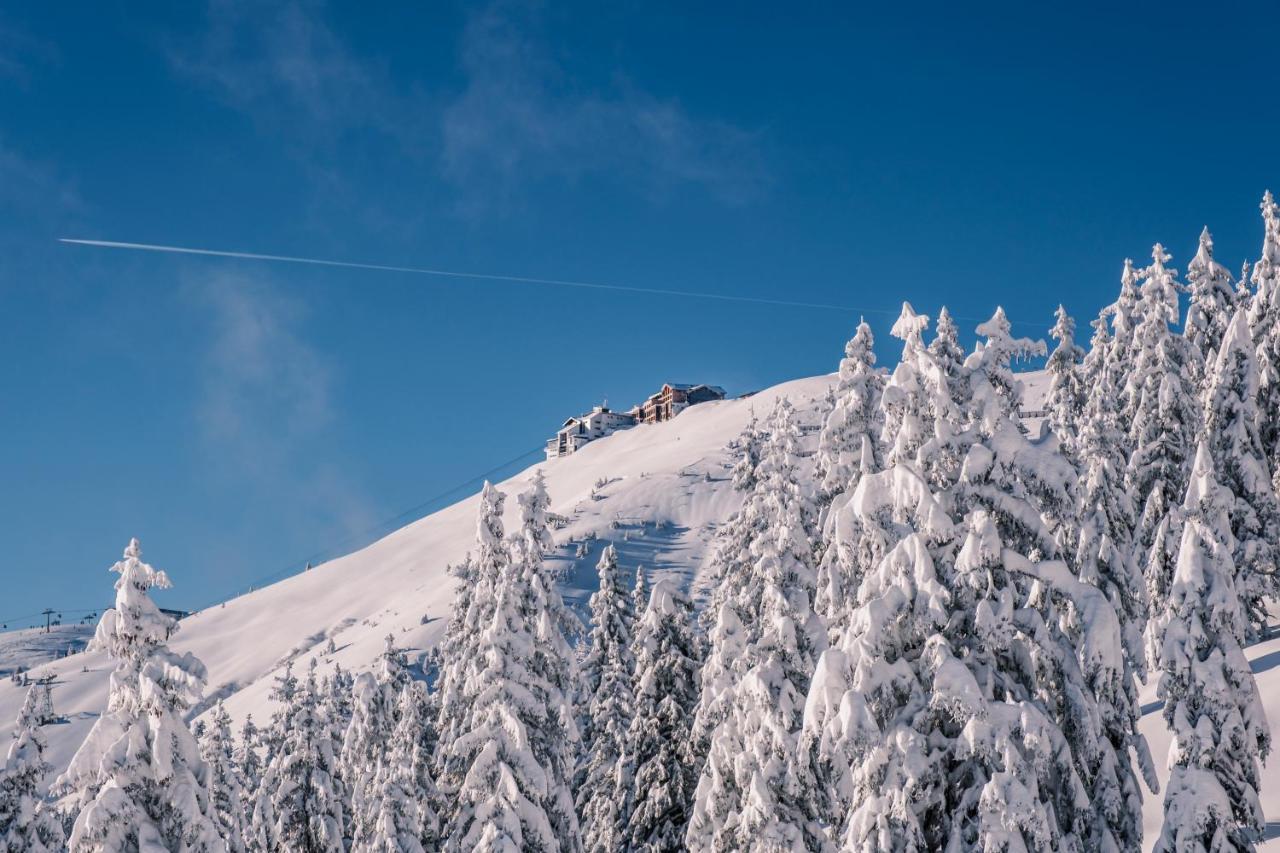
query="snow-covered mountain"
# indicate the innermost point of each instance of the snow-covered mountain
(657, 492)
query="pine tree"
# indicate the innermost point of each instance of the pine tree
(138, 779)
(375, 699)
(1211, 700)
(1166, 415)
(1264, 329)
(406, 821)
(301, 810)
(847, 442)
(1231, 429)
(512, 758)
(27, 823)
(556, 741)
(472, 613)
(904, 426)
(1125, 318)
(659, 740)
(1212, 304)
(747, 447)
(248, 762)
(976, 700)
(607, 674)
(501, 800)
(1066, 386)
(754, 790)
(226, 785)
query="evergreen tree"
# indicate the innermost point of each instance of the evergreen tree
(1213, 302)
(1165, 418)
(472, 614)
(1211, 700)
(607, 673)
(905, 428)
(513, 756)
(747, 447)
(1125, 318)
(138, 781)
(754, 790)
(1066, 386)
(374, 703)
(659, 740)
(226, 785)
(1264, 328)
(501, 801)
(248, 762)
(27, 823)
(406, 821)
(301, 810)
(1231, 429)
(847, 443)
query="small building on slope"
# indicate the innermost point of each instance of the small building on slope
(576, 432)
(672, 399)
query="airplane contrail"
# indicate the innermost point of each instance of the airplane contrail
(513, 279)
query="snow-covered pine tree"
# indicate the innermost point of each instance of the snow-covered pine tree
(847, 442)
(375, 698)
(1211, 700)
(916, 410)
(1103, 548)
(1165, 418)
(1083, 683)
(971, 703)
(28, 824)
(659, 740)
(608, 670)
(755, 791)
(747, 447)
(226, 785)
(902, 399)
(513, 754)
(1212, 303)
(500, 804)
(304, 804)
(1067, 395)
(138, 781)
(556, 741)
(406, 820)
(249, 763)
(1125, 317)
(947, 353)
(282, 693)
(1264, 329)
(472, 614)
(639, 593)
(1231, 430)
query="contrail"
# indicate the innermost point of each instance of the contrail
(513, 279)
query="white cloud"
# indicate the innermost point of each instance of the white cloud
(516, 120)
(520, 118)
(265, 404)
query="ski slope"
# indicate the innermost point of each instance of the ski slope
(657, 492)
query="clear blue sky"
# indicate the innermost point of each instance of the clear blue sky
(238, 416)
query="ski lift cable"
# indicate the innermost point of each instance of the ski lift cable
(299, 565)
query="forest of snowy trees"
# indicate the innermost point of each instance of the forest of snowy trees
(928, 635)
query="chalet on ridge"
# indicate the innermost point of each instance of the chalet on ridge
(597, 423)
(670, 400)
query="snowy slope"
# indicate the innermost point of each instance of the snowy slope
(663, 489)
(673, 474)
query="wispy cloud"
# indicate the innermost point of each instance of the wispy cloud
(265, 402)
(283, 64)
(19, 50)
(520, 117)
(517, 119)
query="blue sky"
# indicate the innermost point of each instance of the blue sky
(239, 417)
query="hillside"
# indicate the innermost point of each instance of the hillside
(656, 491)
